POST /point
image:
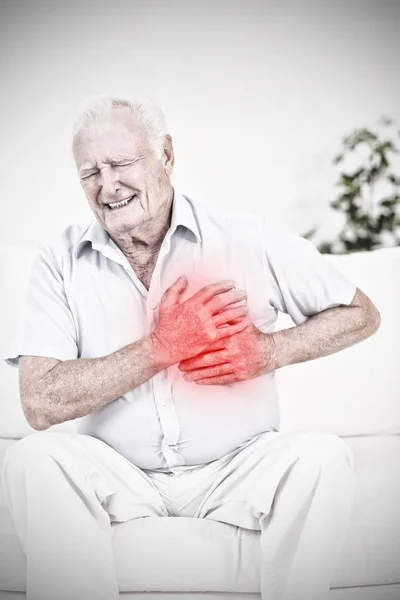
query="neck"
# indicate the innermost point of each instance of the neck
(148, 237)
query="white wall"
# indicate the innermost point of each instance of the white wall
(257, 93)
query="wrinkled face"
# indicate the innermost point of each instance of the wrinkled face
(125, 182)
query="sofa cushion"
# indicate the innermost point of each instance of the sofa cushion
(372, 550)
(355, 391)
(230, 556)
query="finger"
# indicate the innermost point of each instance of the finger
(239, 320)
(221, 301)
(218, 345)
(203, 360)
(209, 291)
(229, 315)
(173, 293)
(228, 330)
(221, 380)
(244, 319)
(209, 372)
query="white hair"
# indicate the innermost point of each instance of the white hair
(148, 113)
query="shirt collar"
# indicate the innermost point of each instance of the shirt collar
(183, 214)
(95, 234)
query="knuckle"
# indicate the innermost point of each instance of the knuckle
(215, 307)
(212, 335)
(206, 310)
(207, 320)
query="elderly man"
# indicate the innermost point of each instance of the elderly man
(154, 326)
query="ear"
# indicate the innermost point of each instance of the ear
(168, 157)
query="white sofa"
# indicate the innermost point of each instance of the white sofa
(355, 394)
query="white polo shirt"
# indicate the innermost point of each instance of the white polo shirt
(85, 301)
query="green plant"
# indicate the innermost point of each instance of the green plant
(370, 222)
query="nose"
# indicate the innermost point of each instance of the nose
(109, 182)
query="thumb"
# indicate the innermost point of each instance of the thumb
(172, 294)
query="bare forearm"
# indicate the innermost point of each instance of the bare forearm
(325, 333)
(74, 388)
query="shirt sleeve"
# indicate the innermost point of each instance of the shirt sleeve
(303, 281)
(46, 326)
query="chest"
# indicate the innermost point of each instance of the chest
(143, 266)
(110, 310)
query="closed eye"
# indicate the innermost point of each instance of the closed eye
(127, 161)
(87, 175)
(122, 164)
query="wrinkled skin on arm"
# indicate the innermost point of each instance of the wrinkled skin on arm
(250, 352)
(54, 391)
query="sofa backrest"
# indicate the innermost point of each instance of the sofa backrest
(355, 391)
(352, 392)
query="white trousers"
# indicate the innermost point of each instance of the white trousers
(64, 491)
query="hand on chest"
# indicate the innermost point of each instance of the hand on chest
(119, 310)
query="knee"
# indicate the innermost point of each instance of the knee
(29, 448)
(323, 446)
(16, 460)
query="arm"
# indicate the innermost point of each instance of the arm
(325, 333)
(252, 353)
(328, 309)
(54, 391)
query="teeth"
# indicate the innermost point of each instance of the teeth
(118, 204)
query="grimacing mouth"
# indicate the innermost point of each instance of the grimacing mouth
(119, 203)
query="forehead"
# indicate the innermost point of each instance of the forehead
(118, 132)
